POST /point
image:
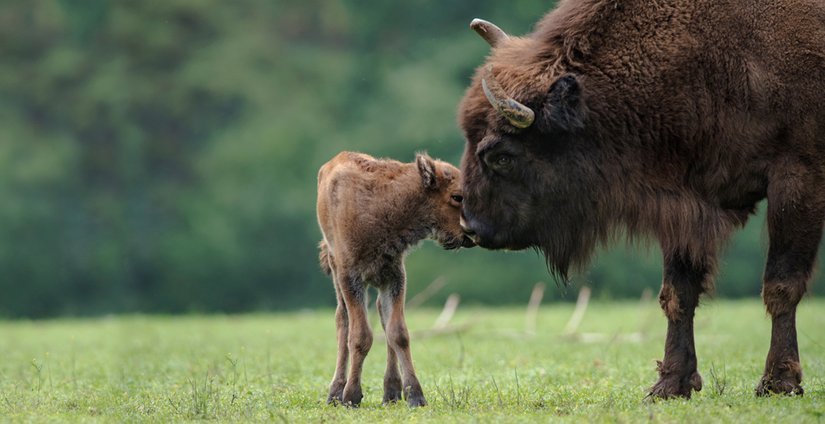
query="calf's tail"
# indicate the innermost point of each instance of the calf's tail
(324, 257)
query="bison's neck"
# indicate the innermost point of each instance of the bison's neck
(681, 220)
(642, 204)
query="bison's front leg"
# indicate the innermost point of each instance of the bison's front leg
(682, 284)
(783, 372)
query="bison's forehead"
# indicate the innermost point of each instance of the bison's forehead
(523, 76)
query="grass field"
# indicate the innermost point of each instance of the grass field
(276, 367)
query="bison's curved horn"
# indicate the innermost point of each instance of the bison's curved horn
(488, 31)
(518, 114)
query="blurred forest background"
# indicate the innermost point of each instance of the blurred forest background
(161, 155)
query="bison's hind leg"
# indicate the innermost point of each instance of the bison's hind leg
(796, 210)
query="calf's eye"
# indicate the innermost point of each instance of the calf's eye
(457, 198)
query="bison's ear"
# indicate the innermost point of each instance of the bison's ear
(563, 109)
(426, 167)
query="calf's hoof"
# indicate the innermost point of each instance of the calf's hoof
(352, 396)
(391, 397)
(415, 397)
(336, 392)
(392, 391)
(675, 386)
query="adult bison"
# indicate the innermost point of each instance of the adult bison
(669, 119)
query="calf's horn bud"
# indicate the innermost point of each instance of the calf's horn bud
(518, 114)
(488, 31)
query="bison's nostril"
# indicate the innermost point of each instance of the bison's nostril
(469, 233)
(464, 226)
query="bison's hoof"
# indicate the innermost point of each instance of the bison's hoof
(392, 391)
(415, 397)
(769, 385)
(336, 392)
(352, 396)
(672, 386)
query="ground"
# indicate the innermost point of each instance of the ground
(276, 367)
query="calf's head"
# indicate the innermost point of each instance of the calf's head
(442, 201)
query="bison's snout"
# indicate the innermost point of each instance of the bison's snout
(485, 235)
(469, 233)
(477, 232)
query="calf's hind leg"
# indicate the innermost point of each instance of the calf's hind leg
(339, 379)
(398, 337)
(392, 378)
(795, 228)
(354, 293)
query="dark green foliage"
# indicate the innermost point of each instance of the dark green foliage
(161, 155)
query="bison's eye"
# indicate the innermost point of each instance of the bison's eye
(500, 163)
(504, 161)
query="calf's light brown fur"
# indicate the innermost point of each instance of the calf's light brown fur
(371, 211)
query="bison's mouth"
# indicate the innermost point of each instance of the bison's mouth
(502, 245)
(457, 243)
(488, 237)
(496, 241)
(467, 242)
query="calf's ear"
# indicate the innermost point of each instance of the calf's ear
(563, 108)
(426, 167)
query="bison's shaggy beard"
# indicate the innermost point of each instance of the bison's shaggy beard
(568, 245)
(682, 226)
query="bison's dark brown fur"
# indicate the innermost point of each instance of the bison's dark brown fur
(371, 212)
(669, 119)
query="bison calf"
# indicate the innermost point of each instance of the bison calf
(371, 211)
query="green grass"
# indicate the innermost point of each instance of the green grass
(276, 368)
